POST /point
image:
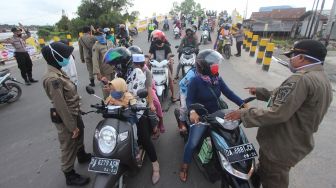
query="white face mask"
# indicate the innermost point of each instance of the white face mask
(293, 69)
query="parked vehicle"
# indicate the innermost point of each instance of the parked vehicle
(9, 91)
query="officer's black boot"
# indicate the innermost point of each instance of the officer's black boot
(92, 84)
(72, 178)
(82, 156)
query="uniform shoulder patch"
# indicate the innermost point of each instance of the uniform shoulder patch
(56, 83)
(283, 92)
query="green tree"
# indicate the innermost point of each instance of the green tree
(63, 24)
(187, 7)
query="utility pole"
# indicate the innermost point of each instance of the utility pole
(312, 23)
(331, 22)
(318, 19)
(246, 10)
(311, 17)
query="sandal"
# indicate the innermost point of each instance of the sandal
(156, 174)
(184, 172)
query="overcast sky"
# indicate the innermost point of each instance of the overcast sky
(41, 12)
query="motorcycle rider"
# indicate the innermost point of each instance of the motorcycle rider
(206, 27)
(161, 51)
(66, 112)
(109, 35)
(205, 88)
(101, 69)
(190, 40)
(166, 23)
(123, 35)
(223, 32)
(153, 100)
(121, 59)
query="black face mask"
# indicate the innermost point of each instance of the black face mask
(158, 42)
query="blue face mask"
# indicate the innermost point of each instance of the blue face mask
(64, 62)
(101, 39)
(117, 94)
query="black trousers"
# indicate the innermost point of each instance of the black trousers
(149, 35)
(144, 138)
(238, 45)
(25, 64)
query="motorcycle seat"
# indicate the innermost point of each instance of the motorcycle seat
(4, 72)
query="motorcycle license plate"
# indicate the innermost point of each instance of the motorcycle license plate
(103, 165)
(240, 153)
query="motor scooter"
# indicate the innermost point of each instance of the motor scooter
(224, 152)
(9, 91)
(113, 143)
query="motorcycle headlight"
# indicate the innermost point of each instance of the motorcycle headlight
(106, 139)
(227, 166)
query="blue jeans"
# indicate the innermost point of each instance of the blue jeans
(195, 134)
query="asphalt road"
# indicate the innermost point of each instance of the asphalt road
(29, 149)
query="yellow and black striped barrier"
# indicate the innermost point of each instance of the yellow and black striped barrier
(245, 39)
(255, 39)
(268, 56)
(261, 51)
(249, 40)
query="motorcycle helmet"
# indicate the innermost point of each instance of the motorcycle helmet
(159, 37)
(107, 30)
(135, 50)
(122, 26)
(189, 29)
(120, 58)
(207, 62)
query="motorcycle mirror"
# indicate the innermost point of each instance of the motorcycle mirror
(142, 93)
(90, 90)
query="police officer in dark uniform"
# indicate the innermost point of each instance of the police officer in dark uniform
(66, 112)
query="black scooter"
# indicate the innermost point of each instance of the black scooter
(114, 154)
(224, 152)
(9, 91)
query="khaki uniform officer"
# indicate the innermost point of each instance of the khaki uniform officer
(296, 109)
(85, 50)
(100, 68)
(66, 112)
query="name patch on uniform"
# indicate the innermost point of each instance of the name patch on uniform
(283, 92)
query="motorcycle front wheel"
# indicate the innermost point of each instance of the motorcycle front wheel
(15, 90)
(227, 52)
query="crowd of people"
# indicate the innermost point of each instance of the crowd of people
(286, 127)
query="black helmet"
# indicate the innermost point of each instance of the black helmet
(120, 58)
(207, 62)
(135, 50)
(189, 29)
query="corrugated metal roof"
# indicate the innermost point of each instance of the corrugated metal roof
(280, 14)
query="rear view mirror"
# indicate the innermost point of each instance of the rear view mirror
(142, 93)
(90, 90)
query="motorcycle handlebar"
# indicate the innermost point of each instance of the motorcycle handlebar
(138, 108)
